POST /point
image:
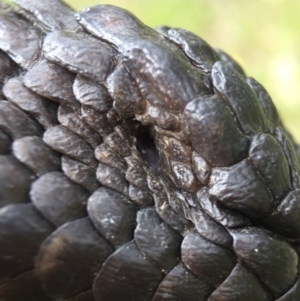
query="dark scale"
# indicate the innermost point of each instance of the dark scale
(138, 165)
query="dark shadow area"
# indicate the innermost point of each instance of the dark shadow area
(146, 146)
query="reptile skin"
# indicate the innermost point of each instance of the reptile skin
(138, 165)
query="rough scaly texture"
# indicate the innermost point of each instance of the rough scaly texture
(138, 165)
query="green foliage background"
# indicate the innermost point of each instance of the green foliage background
(262, 35)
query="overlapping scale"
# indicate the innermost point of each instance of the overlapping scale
(21, 226)
(15, 181)
(58, 199)
(197, 50)
(41, 109)
(280, 271)
(80, 54)
(191, 288)
(164, 252)
(127, 273)
(244, 104)
(113, 215)
(53, 14)
(213, 132)
(70, 257)
(36, 155)
(25, 49)
(138, 165)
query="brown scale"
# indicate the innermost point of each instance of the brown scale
(166, 173)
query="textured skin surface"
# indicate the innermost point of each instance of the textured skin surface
(138, 165)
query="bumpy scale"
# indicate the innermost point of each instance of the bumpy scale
(138, 165)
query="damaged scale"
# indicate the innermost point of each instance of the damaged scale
(139, 165)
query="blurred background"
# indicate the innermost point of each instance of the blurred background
(262, 35)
